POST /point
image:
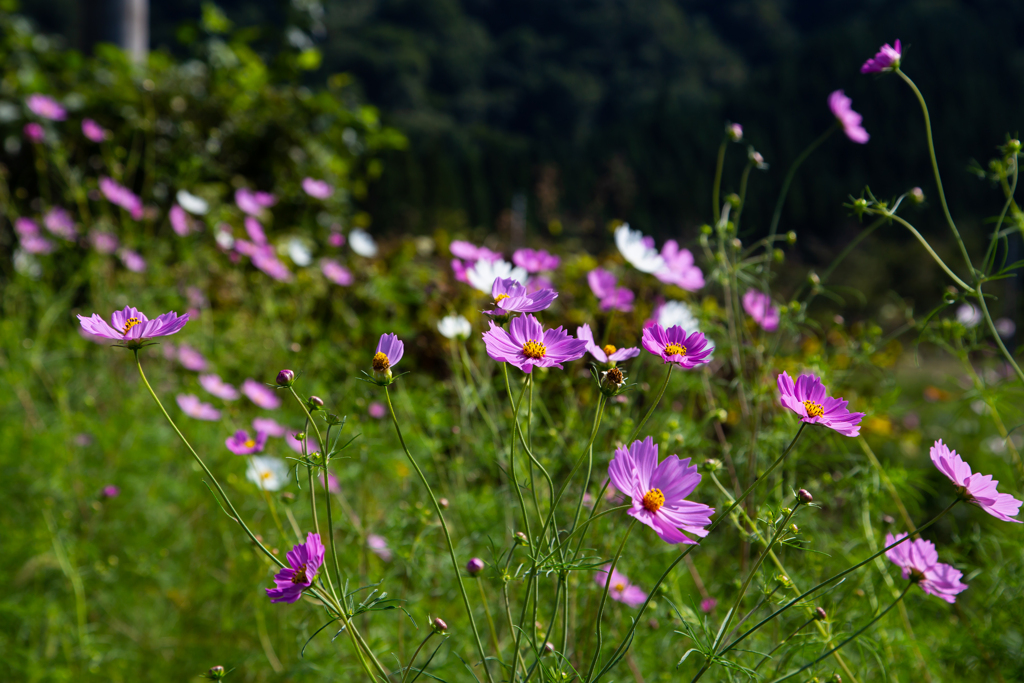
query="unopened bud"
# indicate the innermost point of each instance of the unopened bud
(814, 279)
(300, 436)
(836, 678)
(439, 625)
(734, 132)
(475, 566)
(786, 511)
(548, 648)
(820, 614)
(791, 237)
(521, 538)
(778, 255)
(737, 243)
(1013, 146)
(315, 403)
(442, 503)
(916, 195)
(285, 378)
(804, 496)
(713, 464)
(794, 528)
(706, 229)
(733, 199)
(216, 673)
(287, 497)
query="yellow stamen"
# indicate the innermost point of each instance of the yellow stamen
(813, 409)
(265, 475)
(609, 349)
(534, 349)
(249, 443)
(619, 586)
(500, 297)
(381, 362)
(129, 324)
(675, 350)
(653, 500)
(300, 575)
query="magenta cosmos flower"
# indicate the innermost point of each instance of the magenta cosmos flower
(132, 260)
(527, 344)
(808, 398)
(658, 491)
(304, 561)
(390, 350)
(318, 189)
(191, 359)
(511, 297)
(218, 387)
(261, 394)
(34, 132)
(253, 203)
(239, 443)
(131, 325)
(379, 546)
(104, 242)
(847, 117)
(335, 272)
(46, 107)
(110, 491)
(759, 307)
(887, 58)
(93, 130)
(679, 269)
(377, 410)
(620, 588)
(181, 222)
(602, 284)
(708, 604)
(606, 353)
(120, 195)
(467, 251)
(535, 261)
(196, 409)
(675, 346)
(920, 563)
(979, 489)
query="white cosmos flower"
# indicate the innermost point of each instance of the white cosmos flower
(483, 274)
(638, 249)
(454, 327)
(194, 205)
(673, 313)
(267, 472)
(362, 243)
(968, 315)
(299, 253)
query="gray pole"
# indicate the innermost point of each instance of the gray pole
(124, 23)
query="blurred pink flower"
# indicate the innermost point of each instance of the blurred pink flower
(332, 482)
(468, 251)
(602, 284)
(253, 203)
(847, 117)
(269, 426)
(679, 269)
(336, 239)
(103, 242)
(181, 222)
(255, 231)
(459, 268)
(120, 195)
(132, 260)
(272, 266)
(218, 387)
(110, 491)
(377, 410)
(191, 359)
(47, 107)
(93, 130)
(537, 283)
(261, 394)
(34, 132)
(36, 244)
(708, 604)
(318, 189)
(886, 59)
(59, 222)
(193, 407)
(25, 227)
(240, 443)
(335, 272)
(535, 261)
(620, 588)
(759, 307)
(379, 546)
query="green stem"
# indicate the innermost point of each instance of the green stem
(604, 598)
(405, 674)
(661, 392)
(744, 177)
(716, 209)
(966, 287)
(995, 334)
(783, 642)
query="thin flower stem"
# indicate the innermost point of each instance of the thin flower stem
(848, 640)
(995, 334)
(661, 392)
(330, 520)
(405, 674)
(716, 188)
(604, 598)
(1009, 191)
(782, 642)
(580, 528)
(447, 537)
(744, 177)
(490, 619)
(920, 238)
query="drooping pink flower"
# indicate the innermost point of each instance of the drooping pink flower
(93, 130)
(620, 588)
(253, 203)
(887, 58)
(602, 284)
(181, 222)
(675, 346)
(809, 399)
(191, 359)
(847, 117)
(377, 410)
(59, 222)
(679, 269)
(110, 491)
(34, 132)
(527, 344)
(218, 387)
(379, 546)
(103, 242)
(195, 408)
(979, 489)
(734, 132)
(920, 563)
(511, 297)
(269, 426)
(658, 491)
(46, 107)
(240, 443)
(129, 324)
(759, 307)
(335, 272)
(535, 261)
(304, 560)
(132, 260)
(261, 394)
(606, 353)
(119, 195)
(707, 605)
(318, 189)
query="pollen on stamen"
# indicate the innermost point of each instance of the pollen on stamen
(381, 362)
(653, 500)
(129, 324)
(675, 350)
(249, 443)
(534, 349)
(300, 575)
(609, 349)
(619, 586)
(814, 409)
(498, 298)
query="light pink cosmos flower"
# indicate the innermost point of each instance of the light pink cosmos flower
(978, 489)
(602, 284)
(29, 237)
(335, 272)
(318, 189)
(194, 408)
(847, 117)
(46, 107)
(269, 426)
(658, 491)
(239, 443)
(103, 242)
(253, 203)
(538, 283)
(261, 394)
(181, 222)
(119, 195)
(191, 359)
(218, 387)
(679, 269)
(129, 324)
(606, 353)
(809, 399)
(272, 266)
(511, 297)
(379, 546)
(468, 251)
(59, 222)
(459, 269)
(527, 344)
(535, 261)
(93, 130)
(920, 563)
(377, 410)
(132, 260)
(34, 132)
(620, 588)
(759, 307)
(254, 229)
(675, 346)
(887, 58)
(25, 227)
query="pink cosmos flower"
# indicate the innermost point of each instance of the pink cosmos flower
(606, 353)
(132, 260)
(255, 231)
(602, 284)
(239, 443)
(527, 344)
(920, 563)
(620, 588)
(103, 242)
(191, 359)
(459, 269)
(658, 491)
(468, 251)
(674, 346)
(304, 560)
(336, 273)
(261, 394)
(59, 222)
(194, 408)
(708, 604)
(34, 132)
(181, 222)
(535, 261)
(272, 266)
(377, 410)
(887, 58)
(110, 491)
(119, 195)
(808, 398)
(218, 387)
(47, 107)
(511, 297)
(848, 118)
(390, 350)
(538, 283)
(29, 237)
(25, 227)
(679, 269)
(336, 239)
(379, 546)
(978, 489)
(759, 307)
(269, 426)
(734, 131)
(93, 130)
(129, 324)
(318, 189)
(253, 203)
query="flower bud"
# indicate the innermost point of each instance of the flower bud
(521, 538)
(860, 205)
(301, 436)
(778, 255)
(442, 503)
(548, 648)
(756, 159)
(804, 496)
(820, 614)
(315, 403)
(791, 237)
(285, 378)
(706, 229)
(734, 132)
(916, 195)
(737, 243)
(287, 497)
(439, 625)
(475, 566)
(794, 528)
(713, 464)
(733, 199)
(814, 279)
(611, 381)
(216, 673)
(786, 511)
(1013, 146)
(836, 678)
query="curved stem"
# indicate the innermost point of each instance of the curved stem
(415, 654)
(716, 208)
(604, 597)
(783, 642)
(966, 287)
(661, 392)
(995, 334)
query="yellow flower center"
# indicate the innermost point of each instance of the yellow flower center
(249, 443)
(534, 349)
(609, 349)
(619, 586)
(498, 298)
(813, 409)
(381, 362)
(675, 350)
(129, 324)
(653, 500)
(300, 575)
(265, 474)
